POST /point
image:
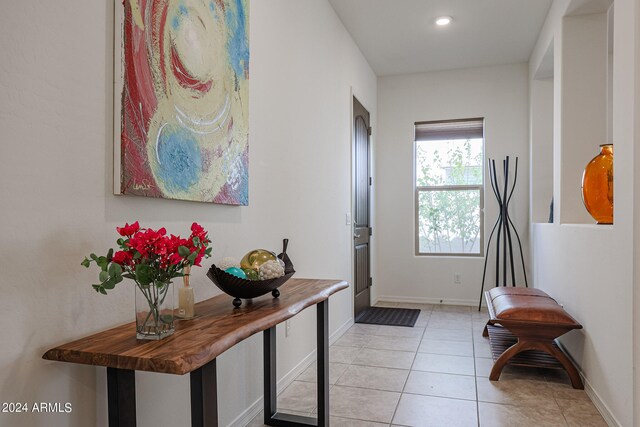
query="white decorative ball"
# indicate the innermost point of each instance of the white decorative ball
(228, 262)
(271, 270)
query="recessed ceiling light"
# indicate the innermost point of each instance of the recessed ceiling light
(443, 20)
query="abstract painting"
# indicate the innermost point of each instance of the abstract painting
(183, 109)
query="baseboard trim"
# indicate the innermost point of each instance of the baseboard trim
(249, 414)
(340, 331)
(609, 418)
(252, 411)
(602, 407)
(421, 300)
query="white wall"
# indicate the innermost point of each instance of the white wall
(581, 49)
(589, 268)
(55, 187)
(635, 65)
(500, 95)
(541, 181)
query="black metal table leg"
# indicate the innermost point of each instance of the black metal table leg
(271, 415)
(270, 379)
(322, 337)
(204, 396)
(121, 391)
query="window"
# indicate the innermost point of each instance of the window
(449, 187)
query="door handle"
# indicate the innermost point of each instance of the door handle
(356, 236)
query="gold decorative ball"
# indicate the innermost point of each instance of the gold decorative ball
(255, 258)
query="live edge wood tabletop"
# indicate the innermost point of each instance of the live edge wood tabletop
(198, 341)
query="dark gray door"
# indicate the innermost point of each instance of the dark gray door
(361, 223)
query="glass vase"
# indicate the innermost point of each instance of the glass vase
(154, 311)
(597, 186)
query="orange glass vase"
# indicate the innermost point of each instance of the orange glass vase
(597, 185)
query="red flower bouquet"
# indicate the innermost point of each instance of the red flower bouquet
(151, 259)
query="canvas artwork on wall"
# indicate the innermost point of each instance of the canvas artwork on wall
(182, 107)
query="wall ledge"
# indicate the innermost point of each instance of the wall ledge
(588, 226)
(566, 226)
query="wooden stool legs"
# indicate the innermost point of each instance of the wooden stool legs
(549, 348)
(574, 375)
(499, 364)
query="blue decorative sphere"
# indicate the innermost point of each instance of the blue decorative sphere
(235, 271)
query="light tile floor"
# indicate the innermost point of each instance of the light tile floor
(435, 374)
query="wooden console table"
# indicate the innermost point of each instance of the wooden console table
(196, 343)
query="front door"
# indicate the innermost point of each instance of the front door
(361, 223)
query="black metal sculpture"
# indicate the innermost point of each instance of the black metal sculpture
(505, 227)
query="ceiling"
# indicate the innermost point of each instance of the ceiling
(400, 36)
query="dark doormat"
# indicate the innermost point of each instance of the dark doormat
(389, 316)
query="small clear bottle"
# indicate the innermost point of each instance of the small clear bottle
(186, 297)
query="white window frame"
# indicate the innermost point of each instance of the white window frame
(419, 189)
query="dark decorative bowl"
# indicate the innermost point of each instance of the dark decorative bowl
(243, 288)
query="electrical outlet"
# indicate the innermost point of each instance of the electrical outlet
(287, 328)
(456, 278)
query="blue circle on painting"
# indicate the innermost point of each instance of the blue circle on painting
(235, 271)
(179, 158)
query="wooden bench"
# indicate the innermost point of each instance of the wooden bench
(522, 329)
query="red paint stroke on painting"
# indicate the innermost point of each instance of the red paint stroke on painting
(159, 22)
(139, 103)
(184, 78)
